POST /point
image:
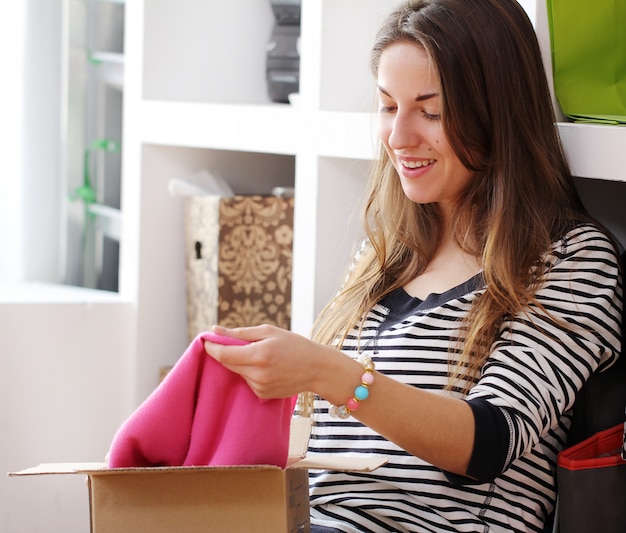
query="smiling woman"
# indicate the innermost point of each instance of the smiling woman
(463, 316)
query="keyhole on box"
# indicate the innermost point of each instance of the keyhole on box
(198, 250)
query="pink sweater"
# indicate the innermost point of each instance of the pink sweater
(204, 414)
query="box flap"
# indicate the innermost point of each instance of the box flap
(300, 431)
(316, 462)
(341, 463)
(61, 468)
(100, 469)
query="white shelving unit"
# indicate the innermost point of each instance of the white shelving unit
(596, 153)
(593, 151)
(91, 126)
(195, 97)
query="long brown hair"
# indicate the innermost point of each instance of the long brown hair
(498, 117)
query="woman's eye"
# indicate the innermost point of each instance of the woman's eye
(387, 109)
(431, 116)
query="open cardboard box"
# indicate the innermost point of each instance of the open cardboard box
(237, 499)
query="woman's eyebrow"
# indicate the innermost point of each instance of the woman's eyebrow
(427, 96)
(383, 91)
(418, 98)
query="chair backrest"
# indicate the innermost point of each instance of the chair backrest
(601, 403)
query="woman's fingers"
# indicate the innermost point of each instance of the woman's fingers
(250, 334)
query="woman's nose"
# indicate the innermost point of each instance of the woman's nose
(404, 132)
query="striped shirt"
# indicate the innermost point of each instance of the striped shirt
(532, 375)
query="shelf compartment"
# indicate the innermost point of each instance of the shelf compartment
(327, 225)
(206, 51)
(595, 151)
(605, 200)
(108, 220)
(334, 72)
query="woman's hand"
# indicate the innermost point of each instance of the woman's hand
(276, 363)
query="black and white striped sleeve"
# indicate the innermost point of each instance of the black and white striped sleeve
(545, 354)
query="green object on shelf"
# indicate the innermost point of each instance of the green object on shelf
(588, 41)
(93, 59)
(86, 192)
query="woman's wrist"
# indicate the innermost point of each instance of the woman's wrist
(337, 376)
(360, 394)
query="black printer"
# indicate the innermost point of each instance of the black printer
(283, 54)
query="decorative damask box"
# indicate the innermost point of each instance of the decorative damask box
(238, 261)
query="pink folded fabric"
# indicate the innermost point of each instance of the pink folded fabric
(204, 414)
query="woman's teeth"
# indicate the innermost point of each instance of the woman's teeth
(417, 164)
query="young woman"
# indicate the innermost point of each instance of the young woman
(481, 301)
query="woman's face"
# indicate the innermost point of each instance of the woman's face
(411, 129)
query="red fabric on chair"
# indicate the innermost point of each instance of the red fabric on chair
(204, 414)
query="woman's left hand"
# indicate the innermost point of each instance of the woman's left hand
(276, 363)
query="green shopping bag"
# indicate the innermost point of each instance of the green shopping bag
(589, 58)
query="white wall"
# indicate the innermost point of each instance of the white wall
(11, 56)
(43, 188)
(65, 387)
(30, 186)
(66, 355)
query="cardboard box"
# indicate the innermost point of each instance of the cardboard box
(239, 499)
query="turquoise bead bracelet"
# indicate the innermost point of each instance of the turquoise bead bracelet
(361, 392)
